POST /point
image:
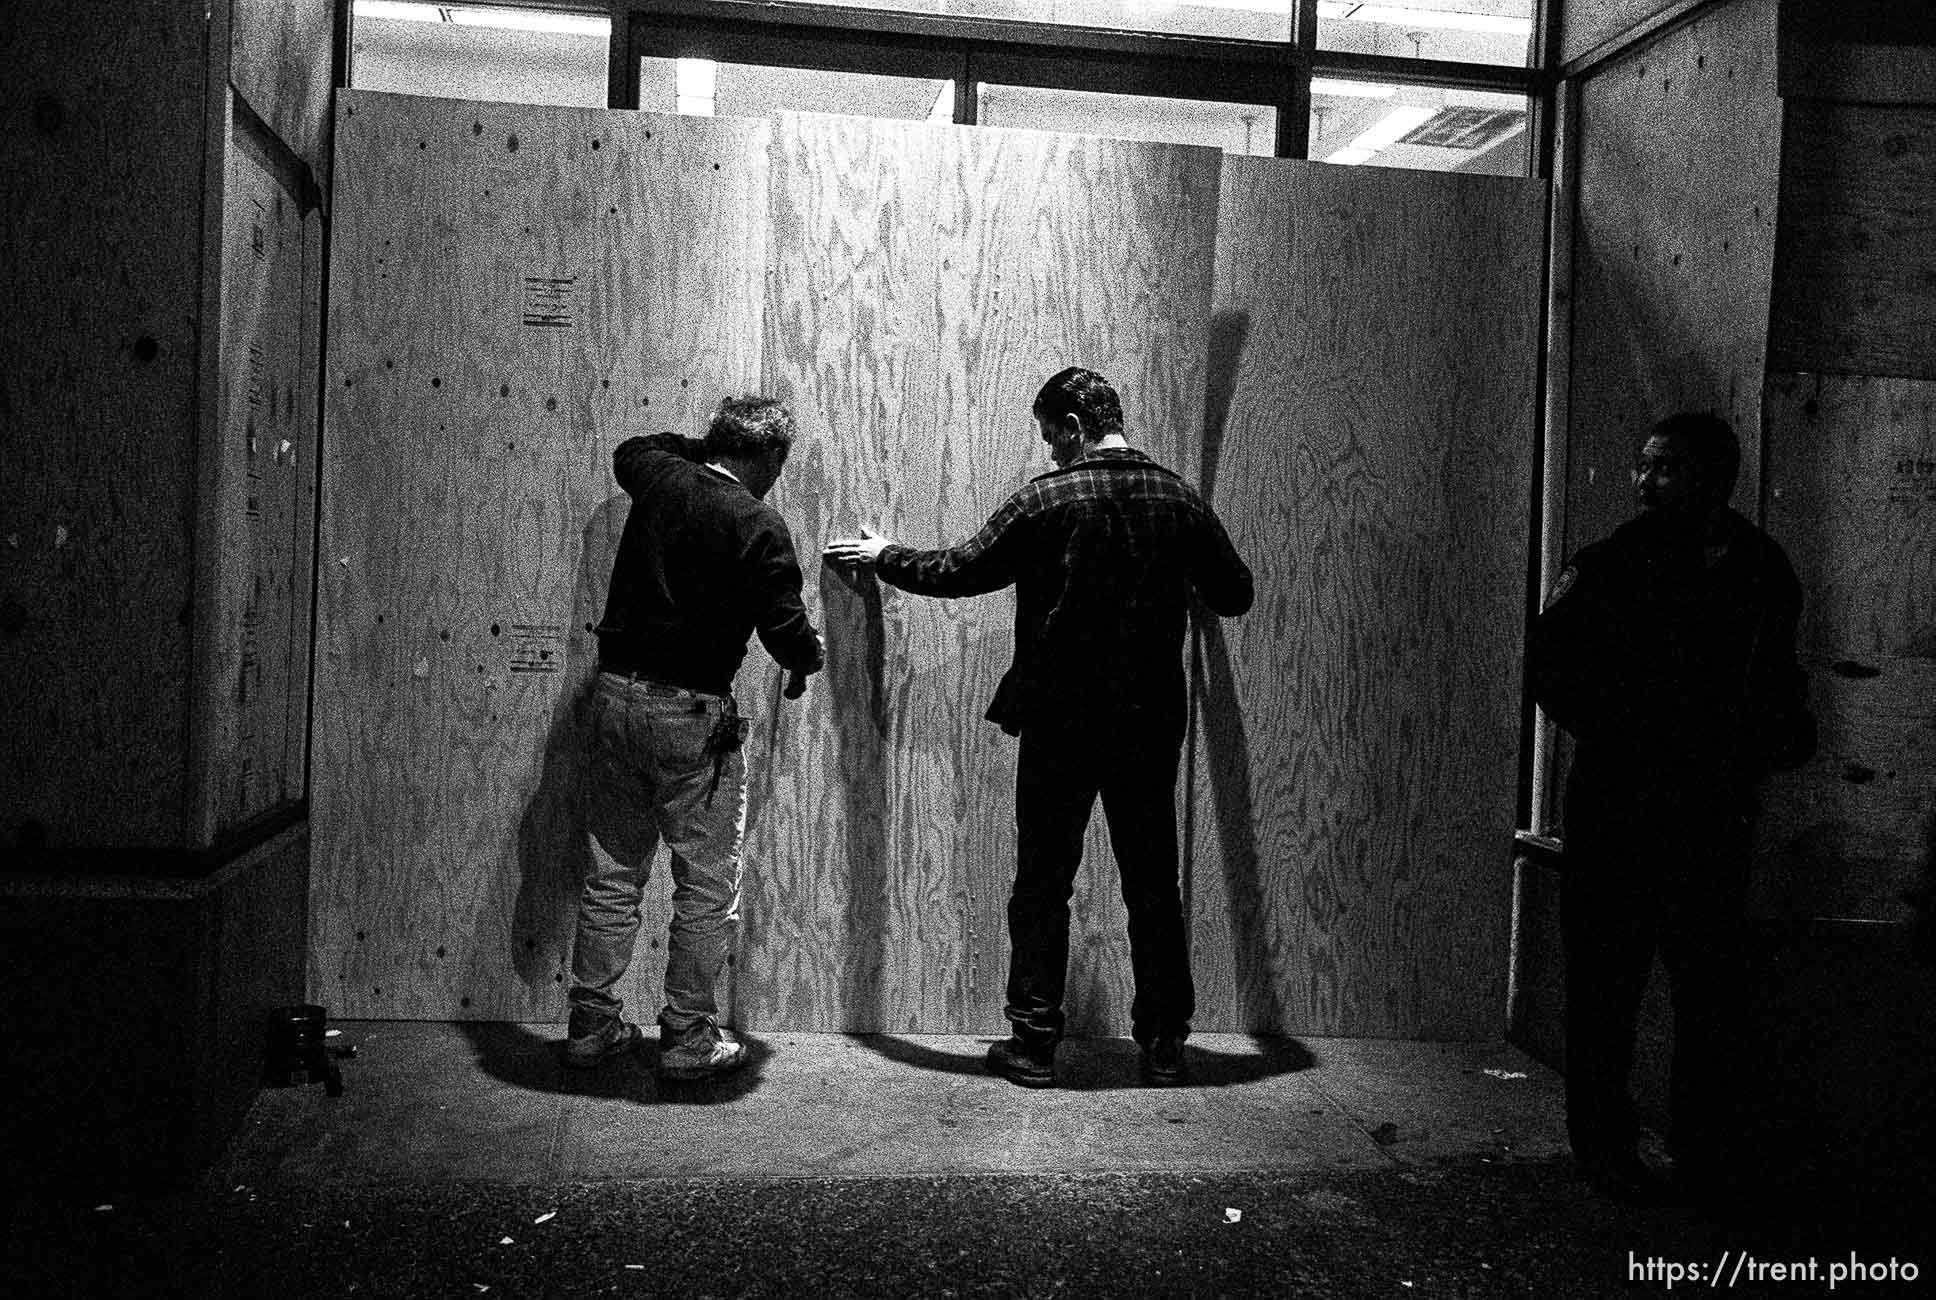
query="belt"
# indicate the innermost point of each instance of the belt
(645, 677)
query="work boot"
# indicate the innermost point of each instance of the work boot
(704, 1052)
(1163, 1063)
(1016, 1061)
(593, 1040)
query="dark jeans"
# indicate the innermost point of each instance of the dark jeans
(1672, 881)
(1129, 758)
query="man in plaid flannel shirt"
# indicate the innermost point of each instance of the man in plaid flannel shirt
(1103, 551)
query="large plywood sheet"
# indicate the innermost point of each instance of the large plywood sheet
(1673, 250)
(253, 678)
(514, 290)
(1852, 290)
(925, 282)
(1369, 442)
(1852, 497)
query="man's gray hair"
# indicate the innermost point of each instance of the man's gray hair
(750, 426)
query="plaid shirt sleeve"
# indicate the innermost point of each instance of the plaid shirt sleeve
(988, 561)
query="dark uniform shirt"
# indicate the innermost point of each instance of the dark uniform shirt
(1103, 553)
(701, 565)
(1669, 653)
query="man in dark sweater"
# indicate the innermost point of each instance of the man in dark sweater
(1668, 651)
(703, 563)
(1103, 552)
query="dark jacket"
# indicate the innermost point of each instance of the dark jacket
(1671, 666)
(1103, 554)
(701, 565)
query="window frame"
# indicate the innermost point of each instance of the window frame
(1052, 56)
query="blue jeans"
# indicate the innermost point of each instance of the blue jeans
(656, 770)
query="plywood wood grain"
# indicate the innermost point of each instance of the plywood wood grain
(1368, 386)
(1673, 250)
(514, 291)
(926, 281)
(1853, 289)
(1852, 497)
(253, 680)
(1369, 444)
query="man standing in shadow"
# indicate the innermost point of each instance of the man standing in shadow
(1103, 551)
(1668, 651)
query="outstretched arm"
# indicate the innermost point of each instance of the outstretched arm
(784, 629)
(985, 562)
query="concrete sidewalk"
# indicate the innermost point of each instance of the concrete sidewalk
(491, 1102)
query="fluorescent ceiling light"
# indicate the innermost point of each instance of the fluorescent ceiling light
(1403, 16)
(696, 78)
(1351, 89)
(694, 82)
(531, 20)
(1401, 121)
(400, 13)
(1248, 6)
(518, 20)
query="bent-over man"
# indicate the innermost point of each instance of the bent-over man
(703, 562)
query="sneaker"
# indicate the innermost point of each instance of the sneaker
(1020, 1064)
(1163, 1063)
(598, 1044)
(704, 1056)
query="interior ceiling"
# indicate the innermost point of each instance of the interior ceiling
(471, 61)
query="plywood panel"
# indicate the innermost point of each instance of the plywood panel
(926, 281)
(514, 290)
(1369, 443)
(1853, 290)
(1673, 249)
(101, 270)
(1852, 496)
(258, 523)
(282, 55)
(1587, 25)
